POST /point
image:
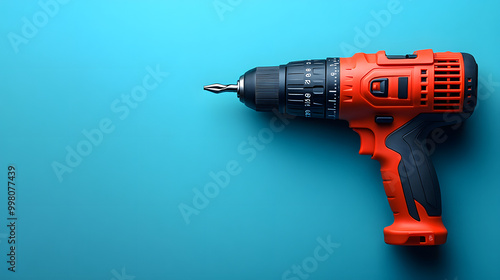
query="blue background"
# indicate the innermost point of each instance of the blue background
(116, 215)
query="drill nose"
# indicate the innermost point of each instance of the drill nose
(259, 88)
(218, 88)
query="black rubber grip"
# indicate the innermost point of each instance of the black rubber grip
(417, 174)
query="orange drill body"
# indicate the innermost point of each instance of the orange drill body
(436, 84)
(393, 103)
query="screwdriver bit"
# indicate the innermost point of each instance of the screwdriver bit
(218, 88)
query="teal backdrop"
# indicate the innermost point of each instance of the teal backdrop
(126, 169)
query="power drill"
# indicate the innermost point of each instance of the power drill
(393, 102)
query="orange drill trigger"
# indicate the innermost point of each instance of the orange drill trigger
(367, 138)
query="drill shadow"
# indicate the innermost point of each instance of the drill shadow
(456, 138)
(323, 131)
(335, 132)
(431, 259)
(329, 140)
(454, 151)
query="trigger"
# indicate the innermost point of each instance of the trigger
(367, 141)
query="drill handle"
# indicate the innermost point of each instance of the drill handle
(410, 181)
(411, 171)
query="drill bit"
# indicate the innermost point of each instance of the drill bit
(218, 88)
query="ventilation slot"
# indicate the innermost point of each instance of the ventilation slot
(424, 87)
(447, 85)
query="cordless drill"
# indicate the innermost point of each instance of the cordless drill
(393, 102)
